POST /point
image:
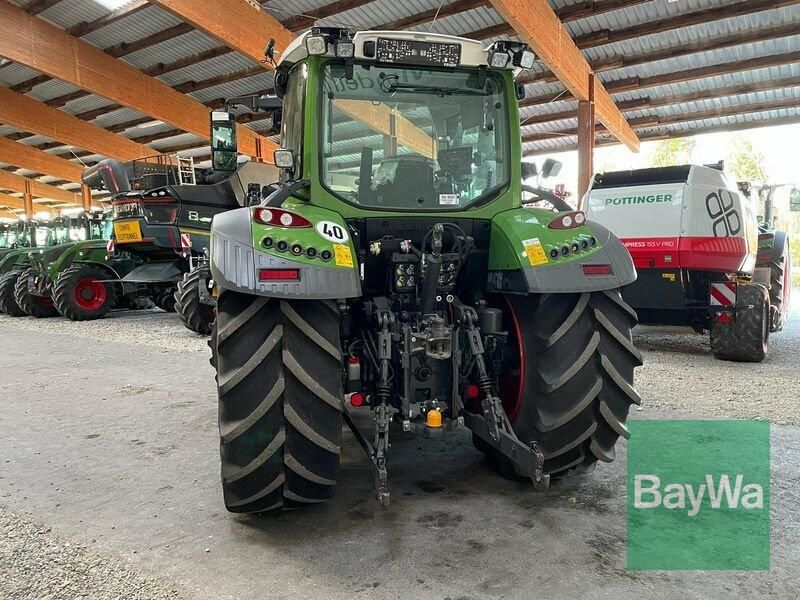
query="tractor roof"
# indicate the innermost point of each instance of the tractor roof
(401, 47)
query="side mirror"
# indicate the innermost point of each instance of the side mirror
(551, 168)
(520, 90)
(224, 152)
(529, 170)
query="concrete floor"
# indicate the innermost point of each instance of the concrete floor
(112, 442)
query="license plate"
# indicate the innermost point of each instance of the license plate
(127, 231)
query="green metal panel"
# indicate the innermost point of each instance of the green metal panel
(516, 233)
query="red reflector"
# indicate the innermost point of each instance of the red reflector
(284, 274)
(357, 399)
(472, 391)
(596, 269)
(279, 218)
(570, 220)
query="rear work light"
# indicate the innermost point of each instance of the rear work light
(279, 275)
(279, 218)
(569, 220)
(596, 269)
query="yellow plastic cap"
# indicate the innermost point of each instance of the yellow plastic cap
(433, 418)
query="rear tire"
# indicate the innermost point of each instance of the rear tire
(575, 389)
(165, 299)
(780, 286)
(36, 306)
(746, 337)
(81, 295)
(8, 304)
(195, 315)
(279, 366)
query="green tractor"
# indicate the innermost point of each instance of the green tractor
(78, 280)
(395, 271)
(29, 236)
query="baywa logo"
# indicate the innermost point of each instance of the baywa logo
(699, 495)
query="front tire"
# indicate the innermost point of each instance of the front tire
(194, 314)
(572, 385)
(80, 294)
(8, 303)
(280, 391)
(36, 306)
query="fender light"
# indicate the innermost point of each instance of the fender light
(279, 218)
(279, 274)
(597, 269)
(570, 220)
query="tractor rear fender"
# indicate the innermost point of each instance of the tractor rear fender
(527, 256)
(113, 274)
(245, 254)
(84, 251)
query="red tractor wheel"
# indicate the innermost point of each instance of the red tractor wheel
(82, 293)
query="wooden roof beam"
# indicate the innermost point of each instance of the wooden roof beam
(42, 46)
(25, 157)
(28, 114)
(676, 119)
(635, 83)
(729, 41)
(675, 99)
(247, 31)
(18, 183)
(537, 25)
(601, 38)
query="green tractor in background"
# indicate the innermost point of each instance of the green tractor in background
(78, 280)
(13, 235)
(395, 270)
(29, 235)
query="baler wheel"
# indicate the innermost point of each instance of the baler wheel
(745, 337)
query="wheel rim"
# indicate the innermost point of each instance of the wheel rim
(510, 382)
(90, 294)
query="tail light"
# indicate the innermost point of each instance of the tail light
(279, 218)
(597, 269)
(279, 275)
(570, 220)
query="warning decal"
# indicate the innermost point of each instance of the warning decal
(535, 252)
(342, 255)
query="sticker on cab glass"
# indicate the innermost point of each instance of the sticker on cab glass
(333, 232)
(448, 199)
(342, 255)
(535, 252)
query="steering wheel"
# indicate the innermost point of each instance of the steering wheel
(557, 203)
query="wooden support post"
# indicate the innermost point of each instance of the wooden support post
(586, 138)
(86, 196)
(27, 198)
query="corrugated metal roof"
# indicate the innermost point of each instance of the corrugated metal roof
(152, 20)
